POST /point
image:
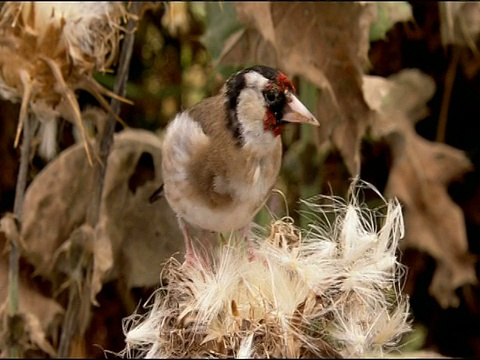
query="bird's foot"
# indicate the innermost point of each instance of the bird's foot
(191, 257)
(191, 261)
(196, 260)
(252, 251)
(254, 255)
(250, 245)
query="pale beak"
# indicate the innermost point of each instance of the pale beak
(295, 111)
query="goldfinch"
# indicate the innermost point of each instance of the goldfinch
(221, 158)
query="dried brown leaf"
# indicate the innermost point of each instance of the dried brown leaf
(55, 204)
(143, 235)
(37, 334)
(404, 94)
(258, 15)
(133, 235)
(419, 177)
(102, 263)
(304, 38)
(245, 46)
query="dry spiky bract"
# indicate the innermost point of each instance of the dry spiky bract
(332, 290)
(50, 49)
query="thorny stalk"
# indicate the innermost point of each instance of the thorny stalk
(14, 348)
(70, 326)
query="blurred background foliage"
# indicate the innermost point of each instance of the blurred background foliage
(176, 62)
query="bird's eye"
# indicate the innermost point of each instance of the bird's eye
(271, 97)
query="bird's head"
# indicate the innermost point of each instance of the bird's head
(262, 99)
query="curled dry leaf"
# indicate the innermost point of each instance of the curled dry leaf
(419, 177)
(303, 39)
(410, 88)
(132, 236)
(147, 234)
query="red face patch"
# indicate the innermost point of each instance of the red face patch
(284, 83)
(281, 84)
(270, 123)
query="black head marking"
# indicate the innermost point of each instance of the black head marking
(235, 84)
(276, 102)
(268, 72)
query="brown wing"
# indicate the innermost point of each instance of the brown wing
(212, 164)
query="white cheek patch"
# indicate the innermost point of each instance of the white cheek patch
(250, 107)
(250, 112)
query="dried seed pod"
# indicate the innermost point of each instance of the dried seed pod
(329, 291)
(48, 50)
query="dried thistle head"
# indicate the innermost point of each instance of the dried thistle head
(50, 49)
(332, 290)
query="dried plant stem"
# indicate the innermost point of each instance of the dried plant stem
(70, 327)
(15, 349)
(106, 137)
(447, 94)
(72, 322)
